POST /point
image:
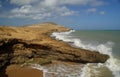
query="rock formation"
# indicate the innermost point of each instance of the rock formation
(33, 44)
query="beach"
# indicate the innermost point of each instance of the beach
(17, 71)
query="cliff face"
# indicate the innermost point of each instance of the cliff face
(21, 44)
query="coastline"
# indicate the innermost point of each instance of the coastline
(33, 44)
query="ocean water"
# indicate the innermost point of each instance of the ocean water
(103, 41)
(97, 37)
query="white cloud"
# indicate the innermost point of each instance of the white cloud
(95, 10)
(24, 9)
(49, 3)
(64, 11)
(91, 10)
(74, 2)
(58, 2)
(22, 2)
(102, 12)
(28, 11)
(42, 9)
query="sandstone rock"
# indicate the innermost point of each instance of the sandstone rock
(3, 59)
(25, 43)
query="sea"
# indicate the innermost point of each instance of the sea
(102, 41)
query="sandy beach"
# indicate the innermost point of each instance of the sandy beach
(17, 71)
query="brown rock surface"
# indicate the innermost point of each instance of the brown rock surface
(21, 44)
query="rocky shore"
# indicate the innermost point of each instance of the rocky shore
(33, 44)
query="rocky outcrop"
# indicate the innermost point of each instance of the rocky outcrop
(33, 43)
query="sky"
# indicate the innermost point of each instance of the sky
(76, 14)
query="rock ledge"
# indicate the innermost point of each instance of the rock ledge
(33, 44)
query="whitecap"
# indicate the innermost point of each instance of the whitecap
(113, 64)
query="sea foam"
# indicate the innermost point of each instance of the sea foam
(112, 63)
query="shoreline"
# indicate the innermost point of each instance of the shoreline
(33, 44)
(37, 70)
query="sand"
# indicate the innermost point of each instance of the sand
(17, 71)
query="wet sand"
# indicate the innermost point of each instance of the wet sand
(17, 71)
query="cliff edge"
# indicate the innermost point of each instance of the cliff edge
(33, 44)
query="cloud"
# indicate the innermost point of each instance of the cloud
(91, 10)
(49, 3)
(28, 11)
(102, 12)
(95, 11)
(64, 11)
(22, 2)
(73, 2)
(82, 2)
(0, 4)
(59, 2)
(42, 9)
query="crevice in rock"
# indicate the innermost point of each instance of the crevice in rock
(17, 51)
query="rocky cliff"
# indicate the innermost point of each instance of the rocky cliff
(33, 44)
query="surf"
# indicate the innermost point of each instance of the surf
(111, 65)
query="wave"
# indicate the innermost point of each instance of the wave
(59, 70)
(39, 67)
(112, 63)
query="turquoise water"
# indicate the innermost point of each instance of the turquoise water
(96, 37)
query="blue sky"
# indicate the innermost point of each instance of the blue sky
(76, 14)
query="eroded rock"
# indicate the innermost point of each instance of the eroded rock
(21, 46)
